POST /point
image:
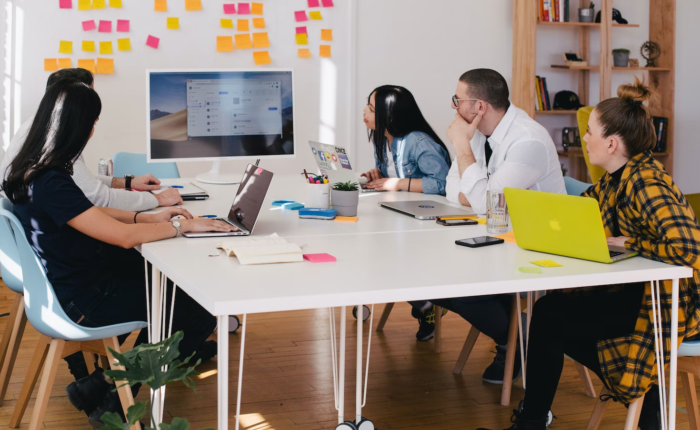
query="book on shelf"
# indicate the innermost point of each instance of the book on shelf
(661, 128)
(554, 10)
(542, 103)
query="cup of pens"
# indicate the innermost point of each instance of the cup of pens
(318, 192)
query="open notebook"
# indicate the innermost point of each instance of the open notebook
(187, 190)
(262, 250)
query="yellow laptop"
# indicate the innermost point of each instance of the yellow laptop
(563, 225)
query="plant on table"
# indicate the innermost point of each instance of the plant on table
(346, 186)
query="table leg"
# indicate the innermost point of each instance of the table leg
(341, 371)
(222, 369)
(674, 356)
(520, 332)
(156, 336)
(358, 373)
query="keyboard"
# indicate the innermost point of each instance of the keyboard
(615, 254)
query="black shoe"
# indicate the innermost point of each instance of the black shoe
(206, 352)
(110, 403)
(494, 373)
(426, 322)
(520, 423)
(650, 417)
(87, 393)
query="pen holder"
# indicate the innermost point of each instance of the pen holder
(318, 196)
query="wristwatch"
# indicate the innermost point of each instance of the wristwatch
(127, 181)
(176, 224)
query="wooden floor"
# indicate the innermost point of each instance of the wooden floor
(288, 383)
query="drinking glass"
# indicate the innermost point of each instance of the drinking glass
(496, 212)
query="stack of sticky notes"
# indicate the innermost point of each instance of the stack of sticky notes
(346, 219)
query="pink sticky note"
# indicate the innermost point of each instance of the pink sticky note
(313, 3)
(123, 25)
(327, 3)
(65, 4)
(319, 258)
(302, 30)
(105, 27)
(89, 25)
(301, 16)
(153, 42)
(230, 9)
(244, 8)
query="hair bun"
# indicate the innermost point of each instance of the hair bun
(636, 92)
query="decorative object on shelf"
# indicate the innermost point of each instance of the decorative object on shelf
(617, 17)
(564, 170)
(650, 51)
(621, 57)
(586, 14)
(572, 59)
(661, 127)
(634, 62)
(570, 138)
(566, 100)
(345, 197)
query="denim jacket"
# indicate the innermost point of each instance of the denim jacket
(416, 155)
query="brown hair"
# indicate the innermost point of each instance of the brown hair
(487, 85)
(628, 117)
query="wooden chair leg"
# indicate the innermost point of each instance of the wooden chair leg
(466, 350)
(89, 361)
(104, 362)
(438, 330)
(598, 411)
(42, 349)
(585, 376)
(510, 353)
(9, 347)
(53, 359)
(691, 400)
(125, 395)
(635, 409)
(385, 316)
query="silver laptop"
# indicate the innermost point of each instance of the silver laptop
(246, 205)
(426, 209)
(333, 161)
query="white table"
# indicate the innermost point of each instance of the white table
(384, 257)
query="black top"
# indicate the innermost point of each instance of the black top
(75, 263)
(616, 176)
(489, 151)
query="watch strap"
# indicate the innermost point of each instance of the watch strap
(127, 181)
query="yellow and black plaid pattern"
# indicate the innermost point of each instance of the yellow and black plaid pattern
(654, 213)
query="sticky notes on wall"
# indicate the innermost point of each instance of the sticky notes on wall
(261, 58)
(301, 30)
(124, 44)
(65, 4)
(300, 16)
(98, 4)
(105, 27)
(313, 3)
(117, 4)
(224, 43)
(106, 48)
(65, 63)
(244, 8)
(65, 47)
(226, 23)
(87, 65)
(88, 46)
(327, 35)
(243, 41)
(260, 40)
(258, 22)
(160, 5)
(302, 39)
(173, 23)
(229, 8)
(257, 9)
(325, 51)
(315, 15)
(193, 5)
(50, 65)
(304, 53)
(243, 25)
(105, 66)
(123, 25)
(84, 5)
(327, 3)
(153, 42)
(89, 25)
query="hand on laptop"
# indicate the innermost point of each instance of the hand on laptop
(384, 184)
(169, 197)
(204, 226)
(146, 182)
(164, 216)
(373, 175)
(618, 241)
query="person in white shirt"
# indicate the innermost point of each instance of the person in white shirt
(102, 191)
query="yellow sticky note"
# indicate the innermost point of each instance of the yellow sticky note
(304, 53)
(546, 263)
(243, 25)
(224, 43)
(65, 47)
(346, 219)
(243, 41)
(260, 40)
(173, 23)
(65, 63)
(50, 65)
(87, 65)
(105, 66)
(508, 237)
(256, 9)
(88, 46)
(327, 35)
(98, 4)
(325, 51)
(481, 221)
(226, 23)
(316, 14)
(531, 270)
(106, 48)
(302, 39)
(258, 22)
(117, 4)
(84, 5)
(124, 44)
(161, 6)
(261, 58)
(192, 5)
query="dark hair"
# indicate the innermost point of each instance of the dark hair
(80, 75)
(628, 117)
(487, 85)
(58, 135)
(397, 112)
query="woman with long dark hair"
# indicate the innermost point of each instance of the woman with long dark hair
(409, 155)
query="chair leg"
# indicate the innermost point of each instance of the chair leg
(510, 353)
(9, 347)
(53, 359)
(585, 376)
(598, 411)
(691, 400)
(635, 409)
(42, 348)
(125, 395)
(385, 316)
(89, 361)
(466, 350)
(438, 330)
(104, 362)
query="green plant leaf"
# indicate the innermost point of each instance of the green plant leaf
(345, 186)
(177, 424)
(112, 421)
(136, 412)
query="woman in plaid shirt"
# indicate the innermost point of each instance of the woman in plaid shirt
(608, 328)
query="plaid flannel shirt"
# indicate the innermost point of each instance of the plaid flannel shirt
(654, 213)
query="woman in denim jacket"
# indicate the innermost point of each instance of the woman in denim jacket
(409, 155)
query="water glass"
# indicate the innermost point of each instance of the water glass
(496, 212)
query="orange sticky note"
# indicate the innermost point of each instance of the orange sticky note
(256, 9)
(98, 4)
(173, 23)
(243, 25)
(226, 23)
(325, 51)
(327, 35)
(508, 237)
(65, 47)
(260, 40)
(302, 39)
(106, 48)
(304, 53)
(117, 4)
(88, 46)
(346, 219)
(87, 65)
(261, 58)
(315, 15)
(50, 65)
(65, 63)
(161, 6)
(258, 22)
(105, 66)
(224, 43)
(124, 44)
(243, 41)
(84, 5)
(192, 5)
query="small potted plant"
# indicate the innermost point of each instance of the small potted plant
(345, 197)
(621, 57)
(585, 14)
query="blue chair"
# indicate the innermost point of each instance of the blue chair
(126, 163)
(60, 335)
(575, 187)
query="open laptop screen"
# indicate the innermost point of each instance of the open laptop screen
(251, 194)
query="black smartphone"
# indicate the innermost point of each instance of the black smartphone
(451, 222)
(478, 242)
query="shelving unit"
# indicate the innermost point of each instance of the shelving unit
(662, 29)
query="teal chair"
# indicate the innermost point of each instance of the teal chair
(127, 163)
(575, 187)
(60, 335)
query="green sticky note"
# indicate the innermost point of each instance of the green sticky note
(546, 263)
(534, 270)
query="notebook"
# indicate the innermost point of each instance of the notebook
(187, 191)
(262, 250)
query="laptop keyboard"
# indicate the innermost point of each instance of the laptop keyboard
(615, 253)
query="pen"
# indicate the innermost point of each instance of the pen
(207, 216)
(176, 186)
(306, 174)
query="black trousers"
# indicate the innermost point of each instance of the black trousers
(489, 314)
(572, 324)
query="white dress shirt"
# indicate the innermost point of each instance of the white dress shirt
(524, 156)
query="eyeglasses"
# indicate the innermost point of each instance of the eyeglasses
(455, 100)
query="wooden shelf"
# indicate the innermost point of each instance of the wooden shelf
(556, 112)
(616, 69)
(584, 24)
(563, 66)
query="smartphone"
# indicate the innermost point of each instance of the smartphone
(451, 222)
(478, 242)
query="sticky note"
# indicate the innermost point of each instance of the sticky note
(302, 39)
(304, 53)
(106, 48)
(123, 25)
(319, 258)
(301, 30)
(173, 23)
(261, 58)
(327, 35)
(84, 5)
(243, 25)
(325, 51)
(300, 16)
(193, 5)
(546, 263)
(243, 41)
(65, 4)
(153, 42)
(160, 5)
(346, 219)
(226, 23)
(313, 3)
(88, 46)
(258, 22)
(50, 65)
(65, 63)
(244, 8)
(124, 44)
(98, 4)
(260, 40)
(117, 4)
(224, 43)
(256, 9)
(327, 3)
(89, 25)
(105, 66)
(533, 270)
(481, 221)
(65, 47)
(87, 65)
(508, 237)
(105, 27)
(316, 15)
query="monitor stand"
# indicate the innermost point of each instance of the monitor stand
(215, 177)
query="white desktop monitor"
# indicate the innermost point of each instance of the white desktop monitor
(215, 115)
